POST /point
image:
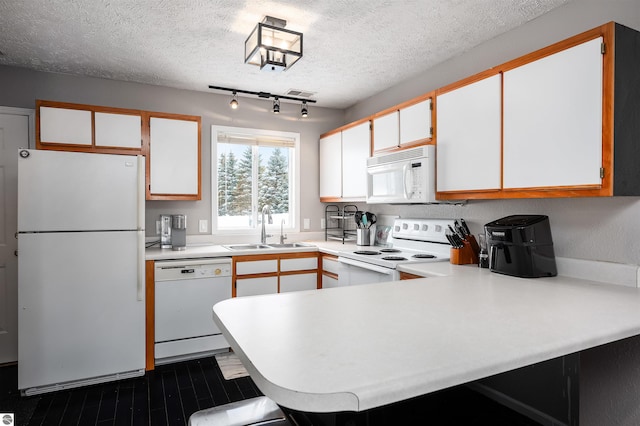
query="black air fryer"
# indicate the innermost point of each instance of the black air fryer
(521, 246)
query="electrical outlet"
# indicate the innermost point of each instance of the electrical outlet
(158, 227)
(322, 224)
(203, 225)
(307, 224)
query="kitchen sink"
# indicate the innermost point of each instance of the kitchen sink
(267, 246)
(248, 247)
(291, 245)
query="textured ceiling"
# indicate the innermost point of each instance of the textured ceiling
(353, 49)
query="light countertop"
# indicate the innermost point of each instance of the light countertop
(216, 250)
(359, 347)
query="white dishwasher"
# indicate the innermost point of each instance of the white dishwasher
(185, 292)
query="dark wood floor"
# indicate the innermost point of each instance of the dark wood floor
(171, 393)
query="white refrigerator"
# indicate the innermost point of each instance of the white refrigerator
(81, 309)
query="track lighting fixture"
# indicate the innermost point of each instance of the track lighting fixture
(234, 101)
(304, 109)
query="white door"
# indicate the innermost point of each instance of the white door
(553, 119)
(469, 136)
(331, 166)
(16, 125)
(74, 191)
(79, 312)
(356, 147)
(386, 131)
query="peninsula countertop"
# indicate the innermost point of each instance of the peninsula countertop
(360, 347)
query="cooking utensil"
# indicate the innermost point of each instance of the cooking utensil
(371, 219)
(358, 218)
(364, 220)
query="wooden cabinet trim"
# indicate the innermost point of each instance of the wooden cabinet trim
(408, 276)
(53, 146)
(150, 314)
(607, 32)
(346, 127)
(278, 273)
(146, 119)
(144, 149)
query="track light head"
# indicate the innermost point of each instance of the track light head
(304, 112)
(276, 106)
(234, 101)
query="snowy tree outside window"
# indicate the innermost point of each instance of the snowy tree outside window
(254, 168)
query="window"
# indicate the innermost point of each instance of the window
(253, 168)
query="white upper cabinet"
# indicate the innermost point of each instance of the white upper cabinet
(331, 166)
(65, 126)
(118, 130)
(469, 137)
(343, 163)
(174, 157)
(407, 125)
(386, 131)
(415, 122)
(553, 119)
(356, 146)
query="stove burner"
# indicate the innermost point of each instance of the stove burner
(390, 250)
(423, 256)
(366, 252)
(394, 258)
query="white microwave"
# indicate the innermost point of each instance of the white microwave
(402, 177)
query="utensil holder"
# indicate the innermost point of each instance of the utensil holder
(467, 254)
(363, 237)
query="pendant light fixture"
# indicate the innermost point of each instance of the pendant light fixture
(304, 112)
(271, 47)
(234, 101)
(276, 106)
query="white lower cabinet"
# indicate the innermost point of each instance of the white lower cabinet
(298, 282)
(273, 273)
(329, 281)
(255, 286)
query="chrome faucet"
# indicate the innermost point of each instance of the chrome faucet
(263, 236)
(283, 236)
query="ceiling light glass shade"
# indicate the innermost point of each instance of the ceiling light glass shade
(276, 106)
(303, 109)
(234, 101)
(272, 48)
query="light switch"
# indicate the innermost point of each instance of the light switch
(203, 225)
(307, 224)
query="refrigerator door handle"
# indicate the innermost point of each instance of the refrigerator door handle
(140, 231)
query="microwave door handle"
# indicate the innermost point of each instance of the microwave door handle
(405, 187)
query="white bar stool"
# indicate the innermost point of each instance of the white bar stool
(255, 411)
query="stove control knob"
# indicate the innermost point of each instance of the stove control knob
(416, 227)
(438, 228)
(405, 226)
(425, 228)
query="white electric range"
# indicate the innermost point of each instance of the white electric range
(409, 241)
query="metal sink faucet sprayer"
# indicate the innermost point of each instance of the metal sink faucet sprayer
(263, 236)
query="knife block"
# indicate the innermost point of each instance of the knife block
(466, 255)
